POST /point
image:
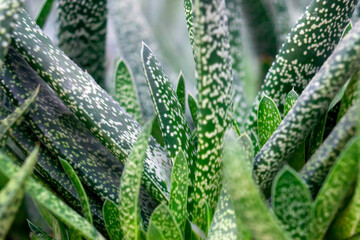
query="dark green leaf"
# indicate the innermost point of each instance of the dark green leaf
(351, 94)
(193, 108)
(44, 13)
(112, 219)
(38, 233)
(290, 100)
(189, 15)
(180, 91)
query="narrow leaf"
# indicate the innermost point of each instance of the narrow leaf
(125, 91)
(290, 100)
(193, 108)
(189, 15)
(112, 219)
(37, 233)
(268, 119)
(44, 13)
(180, 91)
(352, 93)
(291, 202)
(130, 186)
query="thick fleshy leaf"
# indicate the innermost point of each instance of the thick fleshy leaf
(9, 13)
(179, 190)
(55, 206)
(214, 85)
(44, 13)
(317, 135)
(310, 106)
(291, 202)
(37, 233)
(17, 116)
(250, 208)
(112, 219)
(165, 224)
(318, 166)
(335, 187)
(153, 233)
(180, 91)
(351, 94)
(189, 15)
(82, 34)
(130, 186)
(247, 147)
(84, 201)
(12, 194)
(302, 55)
(290, 100)
(103, 116)
(193, 107)
(268, 119)
(125, 91)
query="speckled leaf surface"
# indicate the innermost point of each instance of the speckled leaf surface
(12, 194)
(97, 168)
(16, 117)
(92, 105)
(56, 206)
(130, 32)
(9, 13)
(180, 91)
(165, 223)
(290, 100)
(125, 91)
(82, 34)
(189, 16)
(44, 13)
(307, 47)
(215, 87)
(268, 119)
(250, 208)
(335, 187)
(351, 94)
(318, 166)
(112, 219)
(179, 190)
(193, 107)
(291, 201)
(130, 186)
(311, 105)
(84, 201)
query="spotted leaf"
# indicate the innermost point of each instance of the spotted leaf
(125, 92)
(112, 219)
(335, 187)
(290, 100)
(268, 119)
(291, 201)
(310, 106)
(12, 194)
(189, 15)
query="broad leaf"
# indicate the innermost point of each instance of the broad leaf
(130, 186)
(291, 201)
(44, 13)
(12, 194)
(112, 219)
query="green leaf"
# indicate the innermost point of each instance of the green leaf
(250, 208)
(310, 106)
(189, 15)
(37, 233)
(347, 30)
(84, 201)
(44, 13)
(125, 92)
(82, 35)
(179, 190)
(17, 116)
(130, 186)
(268, 119)
(317, 135)
(280, 15)
(52, 203)
(302, 55)
(214, 85)
(318, 166)
(247, 148)
(335, 187)
(165, 224)
(112, 219)
(59, 230)
(9, 13)
(12, 194)
(351, 94)
(290, 100)
(291, 201)
(193, 107)
(180, 91)
(113, 127)
(153, 233)
(156, 132)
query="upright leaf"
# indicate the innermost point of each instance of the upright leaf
(165, 224)
(180, 91)
(268, 119)
(114, 128)
(302, 55)
(130, 186)
(179, 190)
(310, 106)
(189, 15)
(214, 85)
(352, 93)
(290, 100)
(44, 13)
(82, 34)
(125, 92)
(291, 202)
(112, 219)
(335, 188)
(17, 116)
(250, 208)
(84, 201)
(12, 194)
(193, 107)
(38, 233)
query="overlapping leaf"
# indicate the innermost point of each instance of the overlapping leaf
(112, 219)
(44, 13)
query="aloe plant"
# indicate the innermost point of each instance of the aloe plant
(288, 168)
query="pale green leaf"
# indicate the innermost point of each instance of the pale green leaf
(112, 219)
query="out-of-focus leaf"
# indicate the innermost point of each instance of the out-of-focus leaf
(112, 219)
(44, 13)
(290, 100)
(189, 15)
(37, 233)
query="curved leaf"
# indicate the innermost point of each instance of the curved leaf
(112, 219)
(290, 100)
(44, 13)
